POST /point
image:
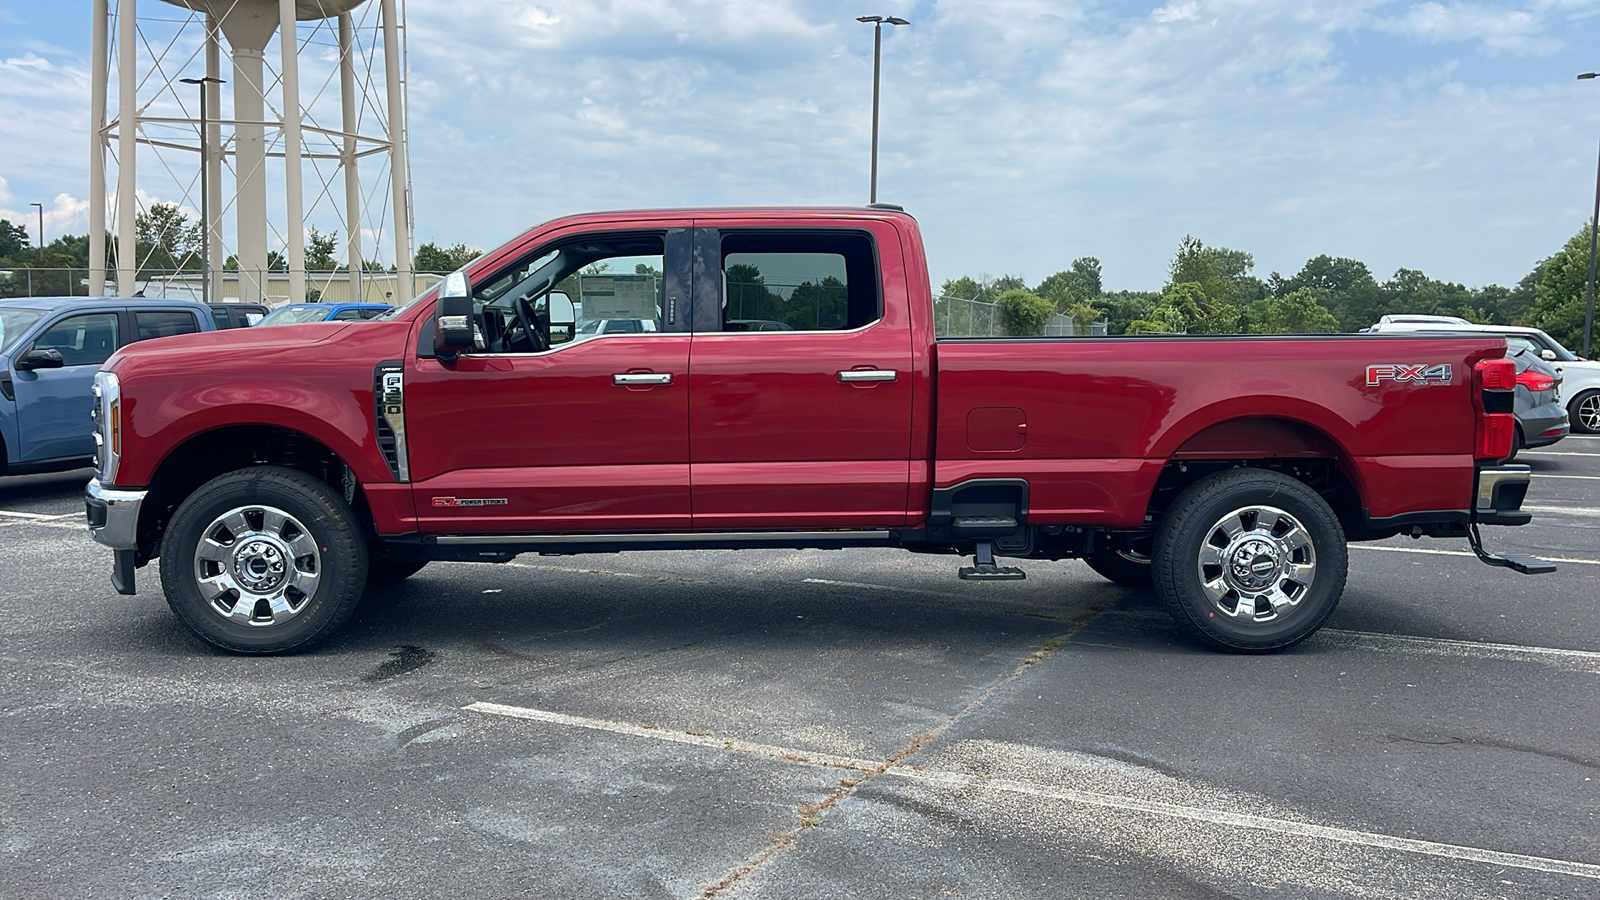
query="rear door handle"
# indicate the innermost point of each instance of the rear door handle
(856, 376)
(629, 379)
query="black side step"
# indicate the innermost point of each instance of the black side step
(1516, 562)
(985, 568)
(984, 526)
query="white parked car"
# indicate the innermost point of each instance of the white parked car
(1580, 378)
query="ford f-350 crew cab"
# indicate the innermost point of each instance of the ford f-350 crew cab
(277, 472)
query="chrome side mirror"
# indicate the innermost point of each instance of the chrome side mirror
(453, 316)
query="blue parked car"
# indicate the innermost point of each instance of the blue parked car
(50, 349)
(300, 313)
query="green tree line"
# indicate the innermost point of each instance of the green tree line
(167, 242)
(1211, 290)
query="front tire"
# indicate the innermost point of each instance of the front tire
(1584, 412)
(1127, 566)
(1250, 561)
(392, 571)
(263, 560)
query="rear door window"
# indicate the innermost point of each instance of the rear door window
(154, 324)
(774, 282)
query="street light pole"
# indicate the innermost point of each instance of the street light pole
(205, 188)
(1594, 231)
(877, 64)
(41, 231)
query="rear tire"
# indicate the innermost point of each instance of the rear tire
(1584, 413)
(263, 560)
(1250, 561)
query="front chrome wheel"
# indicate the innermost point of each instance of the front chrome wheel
(1256, 564)
(264, 559)
(257, 565)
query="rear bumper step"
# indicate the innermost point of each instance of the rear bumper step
(1516, 562)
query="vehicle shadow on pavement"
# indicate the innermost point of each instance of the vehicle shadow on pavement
(51, 486)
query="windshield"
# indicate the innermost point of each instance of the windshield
(13, 322)
(294, 315)
(428, 291)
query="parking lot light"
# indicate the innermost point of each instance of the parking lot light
(877, 23)
(1594, 227)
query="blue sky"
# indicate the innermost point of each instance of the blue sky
(1450, 137)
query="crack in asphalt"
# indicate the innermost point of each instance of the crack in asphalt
(811, 814)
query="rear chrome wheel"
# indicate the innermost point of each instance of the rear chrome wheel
(1257, 563)
(1250, 560)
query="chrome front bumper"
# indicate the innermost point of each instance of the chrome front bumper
(1498, 499)
(114, 521)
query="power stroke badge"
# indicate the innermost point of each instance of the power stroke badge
(470, 501)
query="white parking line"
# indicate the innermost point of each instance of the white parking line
(787, 754)
(1448, 647)
(1564, 510)
(42, 517)
(957, 781)
(1259, 823)
(1541, 475)
(1557, 453)
(883, 587)
(1466, 553)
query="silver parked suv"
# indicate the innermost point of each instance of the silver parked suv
(1580, 378)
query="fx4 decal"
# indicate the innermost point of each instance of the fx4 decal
(1408, 373)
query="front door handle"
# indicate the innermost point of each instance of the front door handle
(631, 379)
(857, 376)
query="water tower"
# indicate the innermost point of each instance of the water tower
(222, 166)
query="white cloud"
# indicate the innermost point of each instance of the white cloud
(1499, 30)
(1022, 132)
(63, 215)
(1177, 12)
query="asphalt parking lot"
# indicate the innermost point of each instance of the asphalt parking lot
(808, 724)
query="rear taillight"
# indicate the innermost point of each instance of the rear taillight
(1536, 381)
(1496, 432)
(1496, 374)
(1496, 380)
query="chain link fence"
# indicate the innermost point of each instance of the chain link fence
(963, 317)
(271, 286)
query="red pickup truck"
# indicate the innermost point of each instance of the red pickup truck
(279, 472)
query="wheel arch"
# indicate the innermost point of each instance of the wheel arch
(207, 454)
(1303, 450)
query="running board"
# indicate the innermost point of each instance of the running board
(567, 544)
(985, 568)
(1516, 562)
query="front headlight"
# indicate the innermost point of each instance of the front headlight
(107, 426)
